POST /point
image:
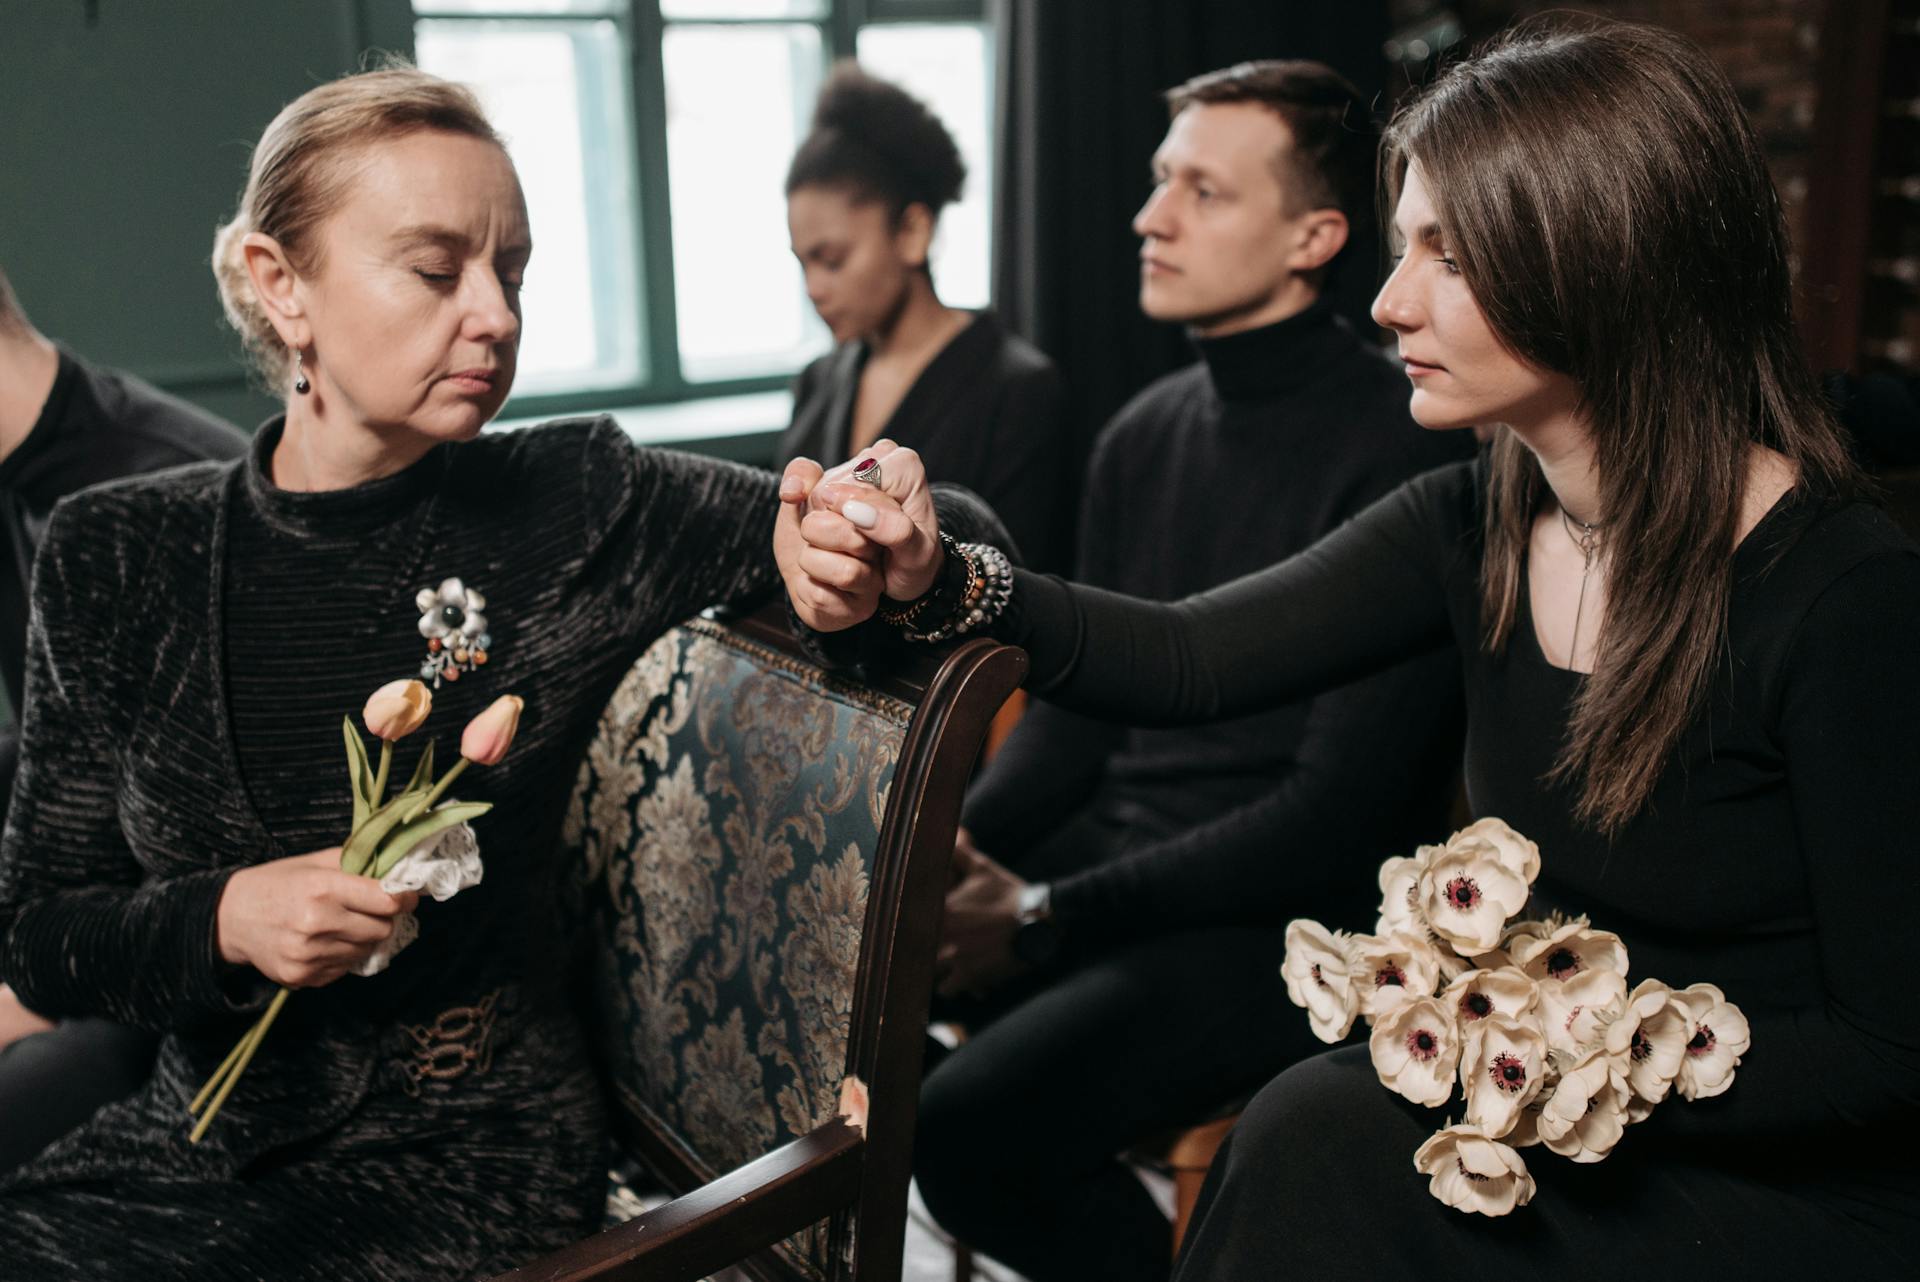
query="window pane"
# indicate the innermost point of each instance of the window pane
(738, 99)
(713, 10)
(425, 8)
(556, 91)
(948, 66)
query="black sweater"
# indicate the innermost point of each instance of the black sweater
(1275, 438)
(988, 412)
(1775, 856)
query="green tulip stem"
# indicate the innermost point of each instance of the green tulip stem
(220, 1073)
(446, 781)
(380, 777)
(252, 1043)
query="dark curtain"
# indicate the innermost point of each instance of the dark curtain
(1079, 114)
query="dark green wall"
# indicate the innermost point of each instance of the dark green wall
(125, 127)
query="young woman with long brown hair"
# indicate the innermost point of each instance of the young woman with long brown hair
(1692, 660)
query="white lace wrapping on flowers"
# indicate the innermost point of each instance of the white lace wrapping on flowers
(442, 868)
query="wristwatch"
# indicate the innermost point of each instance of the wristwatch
(1036, 935)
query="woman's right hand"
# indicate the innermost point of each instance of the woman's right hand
(302, 922)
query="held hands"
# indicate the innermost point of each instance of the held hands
(983, 912)
(841, 544)
(302, 922)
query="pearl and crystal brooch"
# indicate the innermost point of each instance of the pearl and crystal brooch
(452, 621)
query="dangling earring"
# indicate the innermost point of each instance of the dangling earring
(300, 383)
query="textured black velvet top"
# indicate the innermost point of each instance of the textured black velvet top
(1276, 436)
(1776, 856)
(197, 638)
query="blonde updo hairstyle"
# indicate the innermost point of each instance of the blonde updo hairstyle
(301, 171)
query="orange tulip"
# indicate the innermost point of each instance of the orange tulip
(396, 709)
(489, 735)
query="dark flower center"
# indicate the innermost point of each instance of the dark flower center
(1389, 974)
(1316, 975)
(1476, 1005)
(1641, 1047)
(1702, 1040)
(1463, 893)
(1422, 1044)
(452, 615)
(1509, 1074)
(1478, 1179)
(1563, 963)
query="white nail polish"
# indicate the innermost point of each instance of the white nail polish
(861, 514)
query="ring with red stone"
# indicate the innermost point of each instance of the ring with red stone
(867, 472)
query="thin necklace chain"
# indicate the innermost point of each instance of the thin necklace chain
(1587, 538)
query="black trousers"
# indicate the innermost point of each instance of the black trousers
(51, 1082)
(1021, 1126)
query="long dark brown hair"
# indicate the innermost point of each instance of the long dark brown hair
(1609, 207)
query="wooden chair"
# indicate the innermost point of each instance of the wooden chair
(765, 849)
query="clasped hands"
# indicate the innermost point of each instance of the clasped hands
(842, 544)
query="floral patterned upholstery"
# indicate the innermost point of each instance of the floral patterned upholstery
(727, 813)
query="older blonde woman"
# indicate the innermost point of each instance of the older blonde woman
(198, 637)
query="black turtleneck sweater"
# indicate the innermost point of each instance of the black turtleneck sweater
(1277, 436)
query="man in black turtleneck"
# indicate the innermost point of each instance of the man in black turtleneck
(1113, 940)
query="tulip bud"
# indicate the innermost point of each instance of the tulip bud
(489, 735)
(396, 709)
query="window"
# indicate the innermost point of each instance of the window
(652, 138)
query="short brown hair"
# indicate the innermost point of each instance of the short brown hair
(1330, 165)
(296, 179)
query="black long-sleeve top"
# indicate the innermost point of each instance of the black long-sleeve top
(197, 637)
(1775, 857)
(1274, 438)
(988, 413)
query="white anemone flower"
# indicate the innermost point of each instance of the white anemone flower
(1575, 1014)
(1516, 852)
(1399, 877)
(1466, 893)
(1719, 1038)
(1567, 949)
(1390, 969)
(1473, 1172)
(1650, 1039)
(1504, 990)
(1319, 978)
(1502, 1068)
(1586, 1114)
(1416, 1051)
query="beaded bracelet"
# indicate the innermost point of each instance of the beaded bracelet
(988, 588)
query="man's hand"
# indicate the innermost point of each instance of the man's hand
(16, 1021)
(976, 939)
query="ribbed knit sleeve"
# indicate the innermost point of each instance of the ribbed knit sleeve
(83, 931)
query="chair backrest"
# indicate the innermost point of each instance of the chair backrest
(767, 846)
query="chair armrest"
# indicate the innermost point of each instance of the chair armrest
(719, 1223)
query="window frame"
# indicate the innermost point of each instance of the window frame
(644, 29)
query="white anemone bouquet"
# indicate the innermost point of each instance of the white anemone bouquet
(1532, 1020)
